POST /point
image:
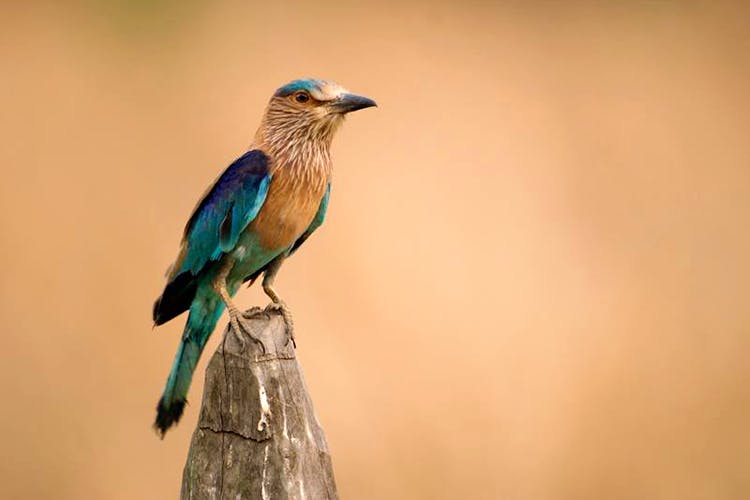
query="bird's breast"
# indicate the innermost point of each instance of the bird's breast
(292, 201)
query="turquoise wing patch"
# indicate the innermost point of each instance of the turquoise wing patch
(226, 210)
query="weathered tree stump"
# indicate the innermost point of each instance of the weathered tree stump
(257, 434)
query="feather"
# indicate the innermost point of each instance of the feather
(236, 198)
(214, 229)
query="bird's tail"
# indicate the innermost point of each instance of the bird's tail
(204, 313)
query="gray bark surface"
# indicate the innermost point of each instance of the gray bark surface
(257, 434)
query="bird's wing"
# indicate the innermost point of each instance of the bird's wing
(316, 222)
(224, 212)
(214, 229)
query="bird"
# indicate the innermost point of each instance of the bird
(257, 214)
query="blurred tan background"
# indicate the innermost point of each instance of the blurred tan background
(533, 279)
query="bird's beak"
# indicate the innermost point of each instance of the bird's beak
(352, 102)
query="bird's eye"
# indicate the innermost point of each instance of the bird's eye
(301, 97)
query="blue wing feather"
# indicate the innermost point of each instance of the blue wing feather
(214, 228)
(226, 210)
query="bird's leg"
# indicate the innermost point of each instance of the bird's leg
(220, 286)
(276, 302)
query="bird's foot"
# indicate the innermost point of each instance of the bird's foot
(240, 329)
(286, 313)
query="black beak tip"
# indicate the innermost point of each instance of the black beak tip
(352, 102)
(369, 103)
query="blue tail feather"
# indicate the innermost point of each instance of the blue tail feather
(204, 314)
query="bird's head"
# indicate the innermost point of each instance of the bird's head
(308, 110)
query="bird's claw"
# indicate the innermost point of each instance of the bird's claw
(287, 315)
(238, 327)
(290, 337)
(239, 338)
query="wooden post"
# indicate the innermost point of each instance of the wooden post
(257, 434)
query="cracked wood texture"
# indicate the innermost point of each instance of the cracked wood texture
(257, 434)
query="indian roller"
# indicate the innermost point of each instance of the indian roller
(259, 211)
